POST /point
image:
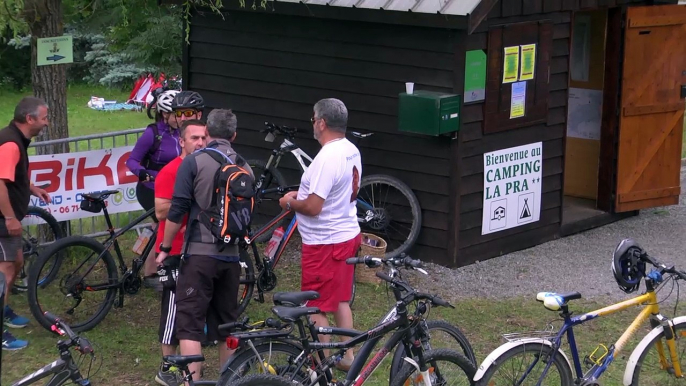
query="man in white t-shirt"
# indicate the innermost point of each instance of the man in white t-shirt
(325, 206)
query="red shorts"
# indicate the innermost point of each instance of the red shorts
(324, 270)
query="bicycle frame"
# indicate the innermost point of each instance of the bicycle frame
(288, 233)
(289, 147)
(112, 241)
(650, 308)
(62, 370)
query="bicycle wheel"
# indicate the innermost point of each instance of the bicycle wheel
(269, 204)
(511, 366)
(352, 292)
(388, 208)
(446, 367)
(247, 285)
(74, 294)
(443, 335)
(269, 357)
(265, 380)
(40, 229)
(648, 371)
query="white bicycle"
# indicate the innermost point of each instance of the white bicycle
(386, 206)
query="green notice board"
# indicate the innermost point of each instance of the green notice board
(475, 76)
(55, 50)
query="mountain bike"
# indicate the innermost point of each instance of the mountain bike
(261, 274)
(386, 206)
(86, 270)
(40, 229)
(272, 348)
(538, 355)
(64, 370)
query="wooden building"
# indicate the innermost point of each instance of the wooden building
(602, 95)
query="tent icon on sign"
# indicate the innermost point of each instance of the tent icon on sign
(526, 203)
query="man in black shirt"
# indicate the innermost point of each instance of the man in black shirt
(30, 118)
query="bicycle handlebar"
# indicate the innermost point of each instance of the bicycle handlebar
(282, 130)
(401, 260)
(413, 295)
(280, 189)
(662, 268)
(62, 328)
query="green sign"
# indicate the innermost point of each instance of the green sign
(55, 50)
(475, 76)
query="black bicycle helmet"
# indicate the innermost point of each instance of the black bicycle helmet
(628, 265)
(188, 100)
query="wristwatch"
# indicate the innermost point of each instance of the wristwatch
(164, 249)
(288, 205)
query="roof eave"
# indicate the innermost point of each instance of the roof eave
(437, 20)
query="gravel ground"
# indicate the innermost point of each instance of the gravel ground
(576, 263)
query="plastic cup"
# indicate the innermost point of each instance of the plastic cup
(409, 87)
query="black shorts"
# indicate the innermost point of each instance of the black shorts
(167, 330)
(146, 197)
(206, 292)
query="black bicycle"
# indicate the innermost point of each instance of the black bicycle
(272, 348)
(386, 206)
(86, 267)
(65, 369)
(39, 230)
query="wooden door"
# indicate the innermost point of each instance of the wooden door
(651, 115)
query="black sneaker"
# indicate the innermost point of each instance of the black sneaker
(172, 377)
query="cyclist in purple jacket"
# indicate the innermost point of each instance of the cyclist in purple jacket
(158, 145)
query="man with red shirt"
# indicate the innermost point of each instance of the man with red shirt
(192, 136)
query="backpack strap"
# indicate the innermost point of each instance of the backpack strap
(156, 143)
(217, 155)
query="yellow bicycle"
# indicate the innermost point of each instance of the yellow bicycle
(537, 359)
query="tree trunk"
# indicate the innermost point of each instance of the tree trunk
(49, 82)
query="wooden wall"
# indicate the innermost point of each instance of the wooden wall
(269, 67)
(474, 143)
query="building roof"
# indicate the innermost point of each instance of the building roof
(446, 7)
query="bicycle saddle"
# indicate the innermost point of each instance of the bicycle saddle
(294, 299)
(554, 301)
(99, 196)
(183, 360)
(291, 314)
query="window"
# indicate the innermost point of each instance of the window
(513, 99)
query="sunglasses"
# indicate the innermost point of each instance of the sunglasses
(185, 113)
(313, 120)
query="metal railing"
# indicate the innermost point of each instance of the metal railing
(94, 226)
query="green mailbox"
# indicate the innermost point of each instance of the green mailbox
(429, 112)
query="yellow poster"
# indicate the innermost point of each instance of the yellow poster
(511, 64)
(528, 62)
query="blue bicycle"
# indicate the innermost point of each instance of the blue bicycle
(386, 206)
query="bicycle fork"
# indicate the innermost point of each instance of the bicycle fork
(670, 338)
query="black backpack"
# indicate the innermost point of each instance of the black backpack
(233, 200)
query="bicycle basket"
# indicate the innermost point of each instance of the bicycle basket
(91, 206)
(374, 246)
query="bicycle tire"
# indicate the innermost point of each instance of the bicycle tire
(248, 277)
(679, 331)
(381, 226)
(239, 363)
(273, 179)
(352, 292)
(535, 348)
(436, 325)
(57, 247)
(57, 234)
(265, 380)
(433, 356)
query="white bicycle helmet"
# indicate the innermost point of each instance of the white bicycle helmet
(164, 101)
